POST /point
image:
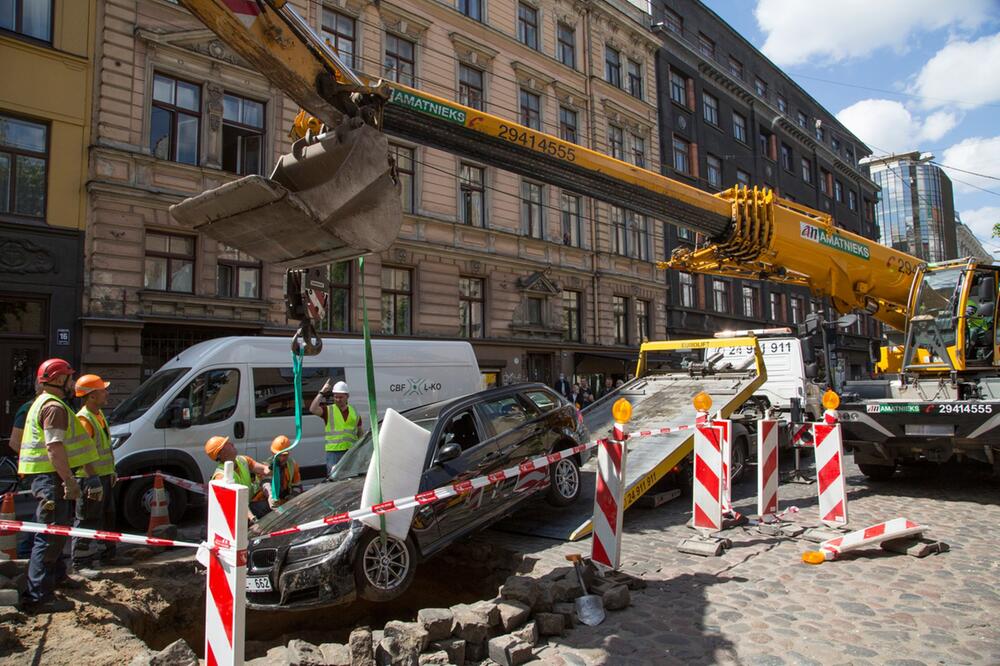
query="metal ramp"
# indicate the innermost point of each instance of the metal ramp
(658, 401)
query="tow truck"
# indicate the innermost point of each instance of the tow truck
(335, 197)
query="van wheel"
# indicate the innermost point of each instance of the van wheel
(564, 483)
(382, 573)
(139, 494)
(741, 453)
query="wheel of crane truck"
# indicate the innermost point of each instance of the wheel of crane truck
(564, 483)
(877, 472)
(383, 572)
(741, 456)
(138, 495)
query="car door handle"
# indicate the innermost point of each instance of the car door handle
(238, 430)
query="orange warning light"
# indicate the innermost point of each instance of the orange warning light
(622, 410)
(813, 557)
(702, 402)
(830, 399)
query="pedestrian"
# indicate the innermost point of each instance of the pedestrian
(343, 425)
(588, 399)
(286, 481)
(609, 387)
(575, 396)
(96, 513)
(246, 471)
(20, 416)
(562, 386)
(53, 447)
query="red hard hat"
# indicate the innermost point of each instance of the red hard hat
(52, 369)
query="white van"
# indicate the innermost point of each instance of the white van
(786, 372)
(242, 387)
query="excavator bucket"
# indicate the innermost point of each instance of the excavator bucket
(335, 198)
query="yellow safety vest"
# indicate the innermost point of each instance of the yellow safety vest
(241, 475)
(34, 457)
(341, 434)
(105, 464)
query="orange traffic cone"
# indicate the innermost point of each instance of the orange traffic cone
(8, 540)
(159, 509)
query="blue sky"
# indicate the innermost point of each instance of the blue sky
(902, 75)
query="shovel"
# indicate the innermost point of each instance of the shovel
(589, 607)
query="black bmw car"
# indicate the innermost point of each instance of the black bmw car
(471, 436)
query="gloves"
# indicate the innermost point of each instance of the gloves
(94, 490)
(114, 479)
(71, 489)
(273, 503)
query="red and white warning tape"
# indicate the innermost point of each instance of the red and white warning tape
(193, 486)
(659, 431)
(63, 530)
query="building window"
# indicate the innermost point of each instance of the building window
(820, 133)
(786, 158)
(572, 327)
(472, 202)
(852, 200)
(169, 263)
(686, 282)
(685, 234)
(567, 124)
(714, 171)
(399, 59)
(470, 86)
(768, 144)
(404, 166)
(835, 144)
(642, 315)
(673, 21)
(531, 114)
(397, 288)
(775, 302)
(706, 45)
(801, 119)
(735, 67)
(739, 127)
(612, 66)
(634, 79)
(572, 221)
(237, 274)
(742, 177)
(796, 304)
(175, 120)
(710, 109)
(825, 181)
(682, 155)
(566, 44)
(720, 296)
(619, 240)
(678, 88)
(339, 310)
(751, 302)
(637, 227)
(531, 210)
(242, 135)
(338, 29)
(471, 307)
(807, 169)
(616, 142)
(471, 8)
(838, 191)
(619, 308)
(24, 148)
(760, 87)
(527, 25)
(849, 154)
(782, 104)
(31, 18)
(638, 151)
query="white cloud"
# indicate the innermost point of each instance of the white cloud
(976, 154)
(963, 73)
(887, 126)
(837, 30)
(981, 221)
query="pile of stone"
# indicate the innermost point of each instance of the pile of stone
(504, 630)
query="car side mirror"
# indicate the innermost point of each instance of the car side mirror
(176, 415)
(449, 451)
(812, 369)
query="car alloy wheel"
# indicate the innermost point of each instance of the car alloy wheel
(386, 567)
(567, 478)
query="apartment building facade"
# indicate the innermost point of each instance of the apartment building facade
(539, 280)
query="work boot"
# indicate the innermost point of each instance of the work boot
(87, 571)
(50, 604)
(71, 583)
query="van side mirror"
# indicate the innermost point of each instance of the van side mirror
(449, 451)
(812, 369)
(176, 415)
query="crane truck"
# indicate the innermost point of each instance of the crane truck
(335, 197)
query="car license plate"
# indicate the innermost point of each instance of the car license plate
(258, 584)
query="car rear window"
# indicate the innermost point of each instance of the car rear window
(544, 400)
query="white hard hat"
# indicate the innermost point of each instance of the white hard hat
(340, 387)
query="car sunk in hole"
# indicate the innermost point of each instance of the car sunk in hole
(471, 436)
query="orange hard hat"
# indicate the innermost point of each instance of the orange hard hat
(88, 383)
(279, 444)
(214, 446)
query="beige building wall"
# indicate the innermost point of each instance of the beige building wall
(130, 327)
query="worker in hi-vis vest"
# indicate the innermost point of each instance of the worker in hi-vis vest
(99, 513)
(343, 425)
(53, 447)
(246, 471)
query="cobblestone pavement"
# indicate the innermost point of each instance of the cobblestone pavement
(760, 604)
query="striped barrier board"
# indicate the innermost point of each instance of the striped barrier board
(800, 434)
(707, 495)
(225, 602)
(767, 470)
(891, 529)
(726, 428)
(609, 500)
(830, 473)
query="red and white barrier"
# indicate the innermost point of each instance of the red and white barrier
(767, 470)
(891, 529)
(830, 473)
(609, 500)
(800, 434)
(193, 486)
(726, 429)
(225, 603)
(707, 495)
(100, 535)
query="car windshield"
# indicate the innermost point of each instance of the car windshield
(355, 462)
(146, 395)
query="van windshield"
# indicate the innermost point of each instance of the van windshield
(355, 462)
(146, 395)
